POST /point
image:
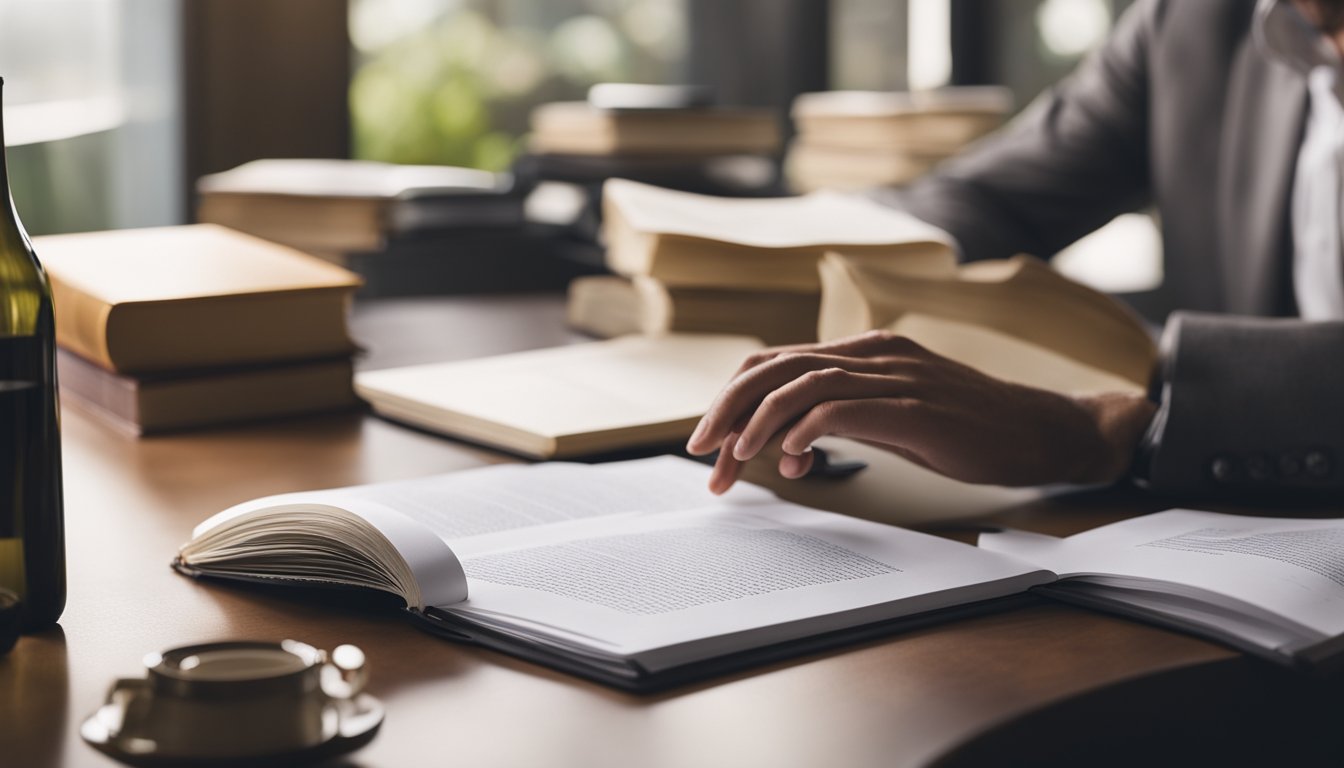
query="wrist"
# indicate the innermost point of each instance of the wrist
(1120, 421)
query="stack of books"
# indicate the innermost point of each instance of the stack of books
(670, 136)
(697, 263)
(177, 327)
(684, 131)
(857, 139)
(404, 229)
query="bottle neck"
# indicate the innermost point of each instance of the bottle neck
(4, 171)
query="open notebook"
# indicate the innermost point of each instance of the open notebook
(629, 573)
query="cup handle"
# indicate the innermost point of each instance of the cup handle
(344, 674)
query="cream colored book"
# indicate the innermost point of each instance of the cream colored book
(605, 306)
(608, 306)
(565, 401)
(1016, 319)
(690, 240)
(351, 205)
(811, 167)
(1012, 358)
(934, 122)
(198, 296)
(578, 128)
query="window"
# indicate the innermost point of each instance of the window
(91, 112)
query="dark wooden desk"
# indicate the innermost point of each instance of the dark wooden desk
(1043, 682)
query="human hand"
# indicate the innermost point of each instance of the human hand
(885, 389)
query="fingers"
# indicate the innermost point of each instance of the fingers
(768, 369)
(873, 344)
(794, 467)
(868, 344)
(891, 422)
(800, 396)
(737, 400)
(726, 468)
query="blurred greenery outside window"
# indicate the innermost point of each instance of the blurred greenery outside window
(453, 81)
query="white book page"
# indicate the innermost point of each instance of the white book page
(818, 219)
(1291, 567)
(636, 584)
(427, 519)
(488, 500)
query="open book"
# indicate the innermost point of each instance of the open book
(1016, 319)
(568, 401)
(1269, 586)
(629, 573)
(690, 240)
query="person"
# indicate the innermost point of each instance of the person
(1227, 117)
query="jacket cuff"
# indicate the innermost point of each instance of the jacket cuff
(1248, 407)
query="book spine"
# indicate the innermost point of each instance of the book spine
(81, 322)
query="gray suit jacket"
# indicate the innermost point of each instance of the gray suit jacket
(1180, 110)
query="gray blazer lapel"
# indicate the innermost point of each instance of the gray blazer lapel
(1263, 126)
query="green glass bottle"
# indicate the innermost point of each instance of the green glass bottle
(32, 528)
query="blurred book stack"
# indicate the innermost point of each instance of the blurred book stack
(689, 262)
(404, 229)
(858, 139)
(670, 136)
(178, 327)
(612, 305)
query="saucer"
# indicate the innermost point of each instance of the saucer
(127, 729)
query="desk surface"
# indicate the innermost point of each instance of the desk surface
(1038, 682)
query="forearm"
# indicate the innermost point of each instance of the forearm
(1121, 421)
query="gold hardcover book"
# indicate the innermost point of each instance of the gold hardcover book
(199, 296)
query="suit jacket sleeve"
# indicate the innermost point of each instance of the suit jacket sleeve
(1072, 161)
(1249, 407)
